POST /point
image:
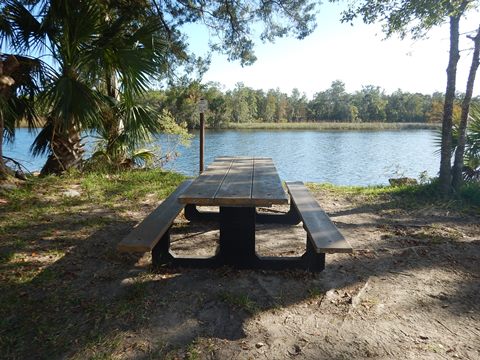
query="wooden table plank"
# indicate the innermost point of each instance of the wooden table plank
(237, 185)
(203, 189)
(235, 181)
(266, 185)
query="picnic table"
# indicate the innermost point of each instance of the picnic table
(238, 186)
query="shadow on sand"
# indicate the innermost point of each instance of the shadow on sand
(93, 301)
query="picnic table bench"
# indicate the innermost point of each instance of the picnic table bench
(238, 185)
(153, 233)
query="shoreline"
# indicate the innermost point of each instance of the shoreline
(330, 126)
(334, 126)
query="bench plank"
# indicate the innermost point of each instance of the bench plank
(323, 233)
(146, 235)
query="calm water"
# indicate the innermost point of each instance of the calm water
(338, 157)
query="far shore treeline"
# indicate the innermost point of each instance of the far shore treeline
(244, 105)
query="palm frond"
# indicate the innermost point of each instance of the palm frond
(473, 133)
(71, 102)
(27, 30)
(41, 144)
(139, 124)
(18, 101)
(143, 157)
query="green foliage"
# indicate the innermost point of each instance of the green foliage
(404, 17)
(471, 168)
(331, 126)
(413, 196)
(471, 193)
(131, 145)
(95, 59)
(244, 105)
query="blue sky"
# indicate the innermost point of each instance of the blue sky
(357, 55)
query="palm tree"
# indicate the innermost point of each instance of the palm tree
(98, 55)
(18, 86)
(96, 61)
(471, 166)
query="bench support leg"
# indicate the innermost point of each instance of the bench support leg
(192, 214)
(161, 252)
(312, 260)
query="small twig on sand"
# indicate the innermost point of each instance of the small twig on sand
(357, 298)
(401, 273)
(445, 326)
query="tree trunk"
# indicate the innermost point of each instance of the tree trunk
(446, 147)
(6, 83)
(3, 167)
(462, 129)
(66, 153)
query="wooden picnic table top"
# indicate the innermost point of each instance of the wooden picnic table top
(237, 181)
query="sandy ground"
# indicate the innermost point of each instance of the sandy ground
(410, 290)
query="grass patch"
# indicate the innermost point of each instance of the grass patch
(129, 185)
(241, 301)
(192, 352)
(55, 275)
(331, 126)
(410, 196)
(316, 292)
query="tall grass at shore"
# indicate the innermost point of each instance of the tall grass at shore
(412, 196)
(319, 126)
(332, 126)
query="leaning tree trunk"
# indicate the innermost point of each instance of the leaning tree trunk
(6, 83)
(446, 145)
(66, 152)
(3, 167)
(462, 128)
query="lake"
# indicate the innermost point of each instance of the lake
(337, 157)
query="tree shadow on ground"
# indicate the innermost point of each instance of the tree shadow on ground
(93, 301)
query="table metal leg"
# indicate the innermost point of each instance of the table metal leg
(237, 237)
(237, 247)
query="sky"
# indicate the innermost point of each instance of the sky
(357, 55)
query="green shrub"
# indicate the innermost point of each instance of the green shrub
(470, 192)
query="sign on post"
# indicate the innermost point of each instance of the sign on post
(202, 105)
